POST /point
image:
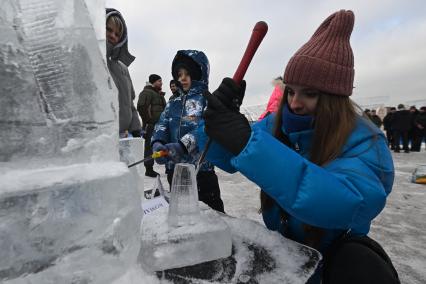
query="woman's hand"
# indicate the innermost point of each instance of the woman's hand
(226, 125)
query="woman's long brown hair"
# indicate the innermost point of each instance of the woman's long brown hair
(334, 120)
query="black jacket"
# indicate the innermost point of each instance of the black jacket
(421, 119)
(387, 121)
(402, 121)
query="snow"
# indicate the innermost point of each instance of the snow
(401, 227)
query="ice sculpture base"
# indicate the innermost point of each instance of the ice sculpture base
(57, 222)
(206, 238)
(258, 256)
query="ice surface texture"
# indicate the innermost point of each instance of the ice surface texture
(184, 196)
(56, 98)
(62, 224)
(164, 247)
(184, 237)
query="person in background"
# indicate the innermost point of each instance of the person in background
(275, 98)
(174, 89)
(367, 113)
(151, 104)
(175, 130)
(324, 171)
(420, 123)
(375, 118)
(387, 125)
(118, 60)
(401, 125)
(415, 133)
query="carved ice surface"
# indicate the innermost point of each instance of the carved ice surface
(56, 94)
(69, 209)
(184, 196)
(66, 223)
(188, 237)
(164, 247)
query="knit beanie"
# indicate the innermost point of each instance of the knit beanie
(326, 61)
(153, 78)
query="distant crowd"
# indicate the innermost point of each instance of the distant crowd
(406, 127)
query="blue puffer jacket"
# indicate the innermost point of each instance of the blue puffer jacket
(183, 114)
(345, 195)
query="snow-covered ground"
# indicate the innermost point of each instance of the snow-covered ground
(400, 228)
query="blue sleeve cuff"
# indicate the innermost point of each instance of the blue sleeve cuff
(216, 154)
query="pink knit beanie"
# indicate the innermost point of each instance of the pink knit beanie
(326, 61)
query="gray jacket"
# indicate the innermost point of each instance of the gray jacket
(118, 59)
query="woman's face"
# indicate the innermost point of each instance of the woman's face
(184, 78)
(302, 100)
(112, 33)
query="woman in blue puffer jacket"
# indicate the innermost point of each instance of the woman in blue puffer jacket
(325, 172)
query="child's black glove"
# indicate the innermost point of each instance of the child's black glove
(231, 94)
(227, 127)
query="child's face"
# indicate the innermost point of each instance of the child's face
(184, 78)
(112, 33)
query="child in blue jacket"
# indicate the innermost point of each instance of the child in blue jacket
(176, 128)
(325, 172)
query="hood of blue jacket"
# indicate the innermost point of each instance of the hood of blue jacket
(200, 59)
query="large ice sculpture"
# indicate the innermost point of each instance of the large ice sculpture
(69, 210)
(188, 236)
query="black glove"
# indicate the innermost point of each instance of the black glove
(228, 128)
(231, 94)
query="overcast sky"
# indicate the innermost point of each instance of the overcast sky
(389, 41)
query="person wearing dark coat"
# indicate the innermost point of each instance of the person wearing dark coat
(387, 125)
(375, 119)
(118, 61)
(174, 88)
(415, 133)
(401, 125)
(420, 124)
(151, 104)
